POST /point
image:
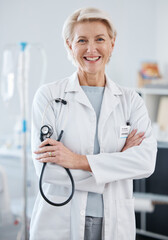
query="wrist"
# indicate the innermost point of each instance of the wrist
(83, 163)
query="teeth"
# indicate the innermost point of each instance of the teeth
(92, 59)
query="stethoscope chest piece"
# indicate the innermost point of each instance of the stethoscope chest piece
(46, 131)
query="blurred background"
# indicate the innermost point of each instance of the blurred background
(139, 60)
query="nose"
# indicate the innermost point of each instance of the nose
(91, 48)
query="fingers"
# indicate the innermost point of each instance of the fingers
(133, 139)
(46, 155)
(50, 159)
(48, 141)
(50, 153)
(137, 141)
(53, 145)
(141, 140)
(132, 133)
(45, 149)
(137, 136)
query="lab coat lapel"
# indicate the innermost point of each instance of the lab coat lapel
(73, 87)
(110, 102)
(110, 99)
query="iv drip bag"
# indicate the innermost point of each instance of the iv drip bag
(7, 77)
(19, 60)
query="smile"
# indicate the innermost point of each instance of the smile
(92, 59)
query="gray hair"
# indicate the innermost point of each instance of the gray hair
(83, 15)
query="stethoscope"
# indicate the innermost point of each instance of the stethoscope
(46, 131)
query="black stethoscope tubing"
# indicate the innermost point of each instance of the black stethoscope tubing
(70, 176)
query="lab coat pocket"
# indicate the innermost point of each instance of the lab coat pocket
(126, 219)
(52, 222)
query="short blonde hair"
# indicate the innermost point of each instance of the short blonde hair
(83, 15)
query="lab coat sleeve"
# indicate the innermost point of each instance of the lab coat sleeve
(53, 173)
(134, 163)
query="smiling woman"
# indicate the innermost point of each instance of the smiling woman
(89, 36)
(91, 48)
(103, 152)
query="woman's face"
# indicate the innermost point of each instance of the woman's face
(91, 46)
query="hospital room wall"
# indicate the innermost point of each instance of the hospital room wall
(162, 37)
(41, 21)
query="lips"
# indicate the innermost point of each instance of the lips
(92, 59)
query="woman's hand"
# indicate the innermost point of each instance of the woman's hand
(61, 155)
(133, 139)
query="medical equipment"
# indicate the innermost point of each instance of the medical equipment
(9, 75)
(12, 67)
(46, 131)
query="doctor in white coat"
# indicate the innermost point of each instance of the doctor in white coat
(107, 141)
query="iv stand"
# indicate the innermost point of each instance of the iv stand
(22, 77)
(23, 101)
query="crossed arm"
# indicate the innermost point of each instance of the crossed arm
(90, 172)
(59, 154)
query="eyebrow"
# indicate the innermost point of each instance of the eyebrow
(99, 35)
(81, 37)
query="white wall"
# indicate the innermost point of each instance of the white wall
(42, 20)
(162, 37)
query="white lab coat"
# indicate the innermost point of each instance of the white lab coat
(112, 171)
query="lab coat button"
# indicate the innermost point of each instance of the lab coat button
(82, 212)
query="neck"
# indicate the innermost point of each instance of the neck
(87, 79)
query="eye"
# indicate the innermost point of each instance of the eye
(81, 41)
(100, 39)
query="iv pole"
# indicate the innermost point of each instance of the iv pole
(23, 81)
(8, 75)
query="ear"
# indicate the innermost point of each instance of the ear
(69, 44)
(112, 45)
(113, 42)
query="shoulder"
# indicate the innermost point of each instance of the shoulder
(125, 92)
(119, 90)
(128, 97)
(53, 89)
(132, 96)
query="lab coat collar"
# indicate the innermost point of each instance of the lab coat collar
(73, 83)
(109, 103)
(74, 86)
(112, 87)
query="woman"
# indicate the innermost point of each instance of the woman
(96, 120)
